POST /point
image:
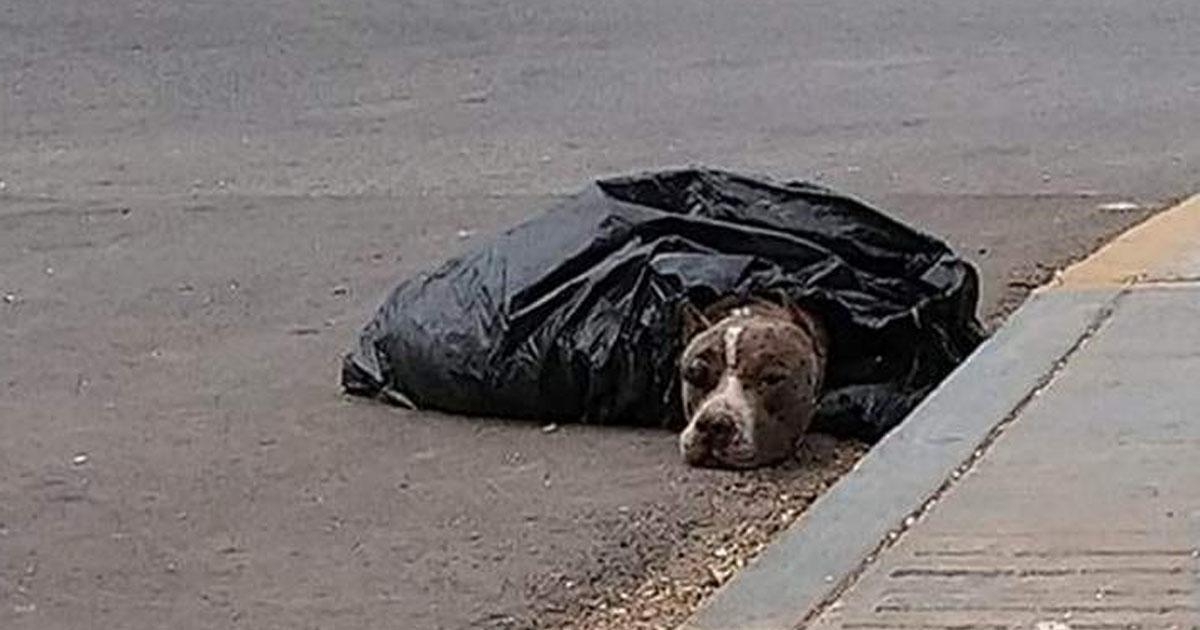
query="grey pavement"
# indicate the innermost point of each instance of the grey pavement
(1079, 507)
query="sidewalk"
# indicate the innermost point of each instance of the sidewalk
(1077, 506)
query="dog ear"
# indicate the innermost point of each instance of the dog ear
(692, 320)
(808, 321)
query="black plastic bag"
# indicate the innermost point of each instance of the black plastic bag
(575, 314)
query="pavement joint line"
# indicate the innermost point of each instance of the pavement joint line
(896, 534)
(1170, 281)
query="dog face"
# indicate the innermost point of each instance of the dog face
(750, 386)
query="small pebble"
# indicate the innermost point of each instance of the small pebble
(10, 298)
(465, 234)
(550, 428)
(80, 459)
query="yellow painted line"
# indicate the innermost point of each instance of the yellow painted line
(1161, 248)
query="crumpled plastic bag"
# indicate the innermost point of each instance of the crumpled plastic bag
(575, 315)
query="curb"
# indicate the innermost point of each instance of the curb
(1161, 249)
(819, 556)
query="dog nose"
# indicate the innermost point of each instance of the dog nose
(717, 429)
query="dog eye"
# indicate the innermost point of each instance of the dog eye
(697, 373)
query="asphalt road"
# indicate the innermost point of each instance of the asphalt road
(201, 201)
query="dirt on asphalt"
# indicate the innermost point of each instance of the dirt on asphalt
(743, 513)
(177, 452)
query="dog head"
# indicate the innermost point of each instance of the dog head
(751, 376)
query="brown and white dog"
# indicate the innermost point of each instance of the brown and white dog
(752, 374)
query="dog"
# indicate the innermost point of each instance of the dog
(751, 375)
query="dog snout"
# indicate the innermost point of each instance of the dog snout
(717, 428)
